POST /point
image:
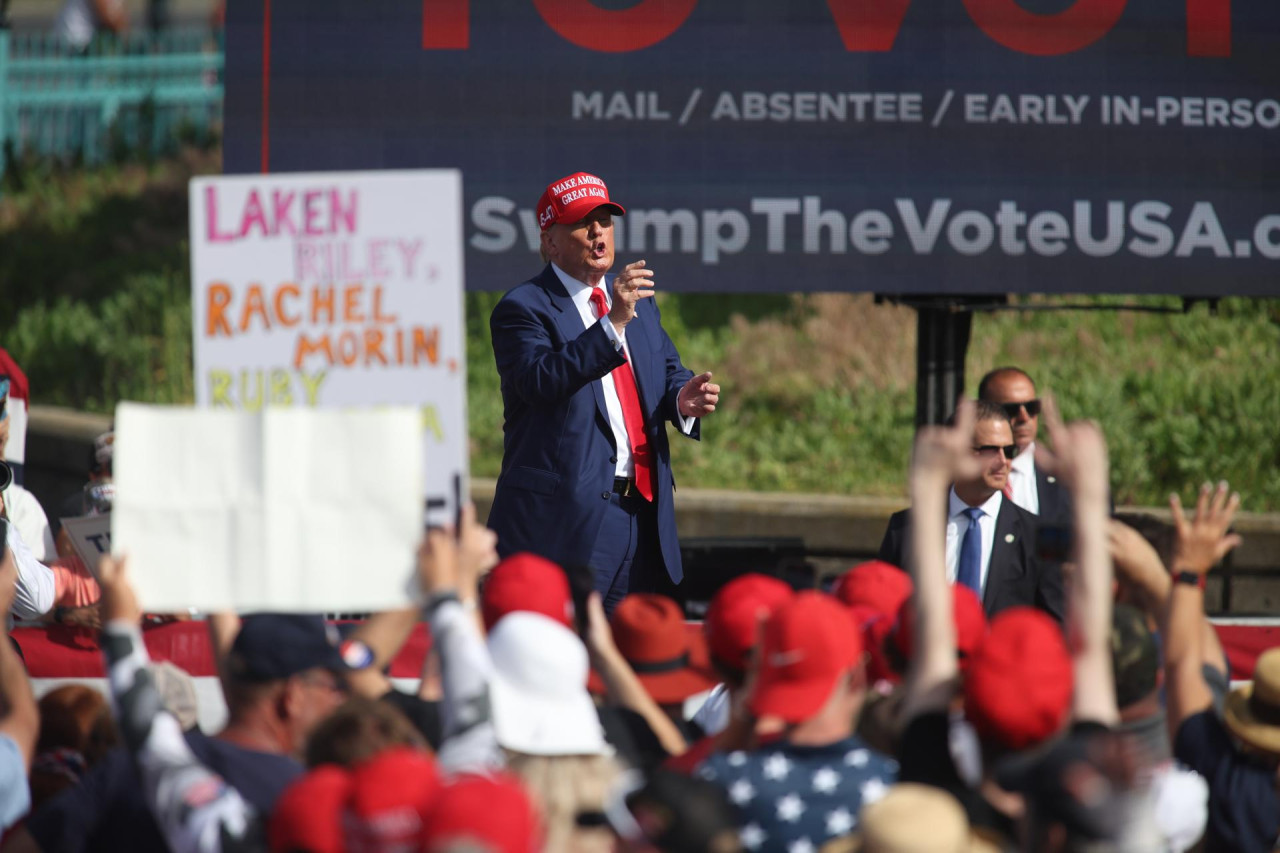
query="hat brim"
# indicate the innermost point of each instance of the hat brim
(1239, 718)
(671, 687)
(543, 725)
(575, 213)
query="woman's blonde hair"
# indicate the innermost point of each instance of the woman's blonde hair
(564, 786)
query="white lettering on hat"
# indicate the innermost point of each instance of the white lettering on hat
(786, 658)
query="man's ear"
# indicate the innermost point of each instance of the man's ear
(290, 698)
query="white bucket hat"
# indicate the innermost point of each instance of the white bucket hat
(540, 701)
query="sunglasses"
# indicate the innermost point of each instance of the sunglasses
(1009, 450)
(1032, 407)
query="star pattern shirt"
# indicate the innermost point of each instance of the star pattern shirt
(794, 799)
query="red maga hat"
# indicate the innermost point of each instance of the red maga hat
(734, 616)
(809, 642)
(526, 582)
(391, 796)
(491, 812)
(1017, 692)
(874, 583)
(571, 198)
(969, 618)
(308, 815)
(670, 661)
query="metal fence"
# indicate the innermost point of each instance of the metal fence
(142, 93)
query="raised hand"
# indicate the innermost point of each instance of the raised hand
(944, 454)
(1079, 453)
(634, 283)
(119, 600)
(698, 397)
(1203, 541)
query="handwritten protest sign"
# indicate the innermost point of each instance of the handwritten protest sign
(90, 537)
(335, 289)
(282, 509)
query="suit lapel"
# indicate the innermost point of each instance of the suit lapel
(569, 322)
(1003, 546)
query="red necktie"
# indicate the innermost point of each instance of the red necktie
(624, 382)
(1008, 485)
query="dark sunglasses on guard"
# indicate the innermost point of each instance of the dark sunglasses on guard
(1032, 407)
(1009, 450)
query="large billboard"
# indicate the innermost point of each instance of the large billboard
(923, 146)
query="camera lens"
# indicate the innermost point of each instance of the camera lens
(6, 475)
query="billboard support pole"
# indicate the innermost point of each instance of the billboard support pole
(942, 339)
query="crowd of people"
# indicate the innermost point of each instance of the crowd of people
(1019, 671)
(899, 710)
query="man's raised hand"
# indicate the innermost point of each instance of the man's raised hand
(1203, 540)
(944, 454)
(698, 397)
(634, 283)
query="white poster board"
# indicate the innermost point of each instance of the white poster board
(273, 510)
(90, 537)
(338, 289)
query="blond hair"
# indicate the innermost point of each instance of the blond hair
(563, 786)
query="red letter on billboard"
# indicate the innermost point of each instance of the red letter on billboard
(1208, 27)
(614, 31)
(868, 26)
(1046, 35)
(445, 24)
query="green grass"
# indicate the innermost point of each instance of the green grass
(818, 390)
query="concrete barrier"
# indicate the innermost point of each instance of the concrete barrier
(837, 528)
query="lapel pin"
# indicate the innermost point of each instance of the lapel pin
(1008, 537)
(1052, 479)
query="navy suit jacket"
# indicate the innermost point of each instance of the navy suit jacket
(559, 459)
(1015, 576)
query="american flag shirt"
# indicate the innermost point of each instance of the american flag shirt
(793, 799)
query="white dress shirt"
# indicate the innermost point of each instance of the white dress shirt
(958, 524)
(25, 511)
(36, 588)
(1022, 479)
(580, 292)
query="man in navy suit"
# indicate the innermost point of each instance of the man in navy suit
(1030, 486)
(589, 380)
(991, 541)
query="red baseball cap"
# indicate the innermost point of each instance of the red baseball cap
(876, 584)
(733, 617)
(308, 815)
(492, 812)
(969, 618)
(526, 581)
(1017, 692)
(809, 642)
(391, 796)
(670, 660)
(571, 198)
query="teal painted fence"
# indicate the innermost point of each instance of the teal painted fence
(143, 93)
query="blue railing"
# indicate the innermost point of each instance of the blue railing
(140, 93)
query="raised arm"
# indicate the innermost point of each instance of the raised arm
(194, 807)
(530, 362)
(448, 569)
(941, 455)
(624, 688)
(1201, 543)
(1079, 458)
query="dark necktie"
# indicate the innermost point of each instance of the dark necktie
(969, 572)
(624, 382)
